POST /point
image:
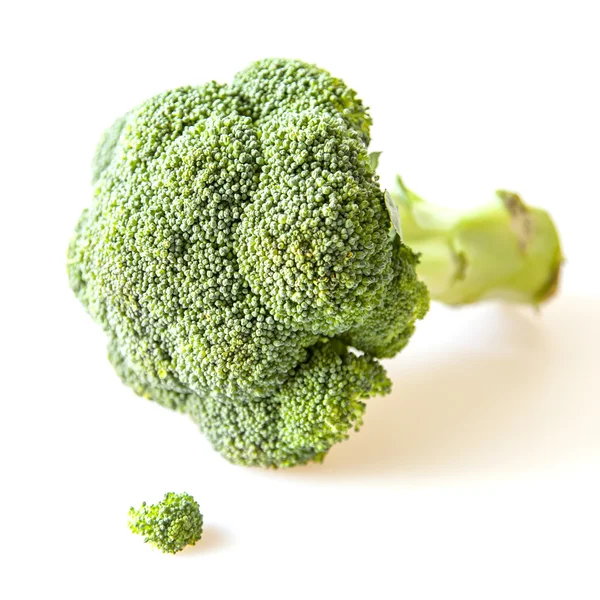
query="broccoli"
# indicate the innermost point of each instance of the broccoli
(171, 524)
(239, 255)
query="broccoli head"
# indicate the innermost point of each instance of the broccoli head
(170, 525)
(238, 251)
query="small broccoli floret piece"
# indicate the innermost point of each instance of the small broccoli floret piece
(171, 524)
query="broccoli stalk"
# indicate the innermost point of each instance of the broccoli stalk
(504, 250)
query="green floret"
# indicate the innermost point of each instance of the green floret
(169, 525)
(237, 245)
(311, 412)
(106, 148)
(313, 243)
(274, 88)
(391, 323)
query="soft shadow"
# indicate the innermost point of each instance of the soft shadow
(522, 394)
(214, 539)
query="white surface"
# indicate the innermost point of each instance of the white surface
(477, 478)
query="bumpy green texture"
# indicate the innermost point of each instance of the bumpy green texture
(171, 524)
(237, 245)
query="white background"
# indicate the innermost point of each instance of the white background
(476, 478)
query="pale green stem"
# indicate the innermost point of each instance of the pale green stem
(505, 250)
